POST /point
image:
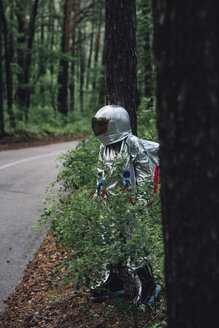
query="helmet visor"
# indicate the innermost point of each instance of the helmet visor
(100, 125)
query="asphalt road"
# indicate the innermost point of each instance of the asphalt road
(24, 176)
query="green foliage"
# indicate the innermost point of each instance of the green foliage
(96, 229)
(160, 325)
(79, 166)
(94, 232)
(46, 54)
(144, 37)
(43, 121)
(147, 128)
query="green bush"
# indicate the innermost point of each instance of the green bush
(147, 128)
(79, 166)
(43, 122)
(95, 230)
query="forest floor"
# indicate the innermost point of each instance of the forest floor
(42, 300)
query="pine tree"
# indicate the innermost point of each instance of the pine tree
(121, 61)
(187, 51)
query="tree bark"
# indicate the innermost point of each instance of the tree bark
(121, 81)
(82, 69)
(187, 51)
(21, 55)
(29, 54)
(24, 59)
(63, 72)
(11, 37)
(102, 79)
(7, 66)
(76, 10)
(97, 47)
(90, 55)
(51, 32)
(148, 59)
(42, 62)
(2, 128)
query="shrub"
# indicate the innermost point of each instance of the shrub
(103, 229)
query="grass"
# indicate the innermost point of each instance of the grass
(43, 123)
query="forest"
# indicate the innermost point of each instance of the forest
(63, 60)
(53, 66)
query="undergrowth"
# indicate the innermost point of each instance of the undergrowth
(93, 228)
(44, 122)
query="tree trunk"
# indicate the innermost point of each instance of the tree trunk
(21, 55)
(7, 64)
(29, 54)
(121, 81)
(90, 55)
(11, 56)
(11, 32)
(63, 71)
(102, 79)
(2, 128)
(82, 69)
(76, 10)
(96, 53)
(148, 60)
(42, 63)
(187, 51)
(24, 59)
(148, 68)
(51, 32)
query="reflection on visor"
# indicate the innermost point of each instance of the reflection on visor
(100, 125)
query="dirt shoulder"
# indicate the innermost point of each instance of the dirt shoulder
(40, 300)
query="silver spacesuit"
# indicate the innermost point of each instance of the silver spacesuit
(111, 125)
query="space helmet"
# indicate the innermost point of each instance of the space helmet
(111, 124)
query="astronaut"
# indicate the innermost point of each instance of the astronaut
(111, 125)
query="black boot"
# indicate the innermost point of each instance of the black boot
(111, 287)
(144, 285)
